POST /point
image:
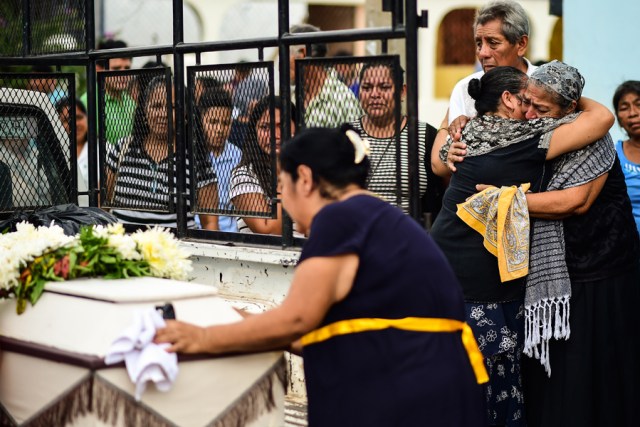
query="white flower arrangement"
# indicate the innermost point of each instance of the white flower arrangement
(118, 240)
(21, 247)
(165, 258)
(32, 256)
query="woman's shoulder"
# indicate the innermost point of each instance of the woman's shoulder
(122, 145)
(619, 147)
(486, 134)
(364, 215)
(124, 142)
(341, 227)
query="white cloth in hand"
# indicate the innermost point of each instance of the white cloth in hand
(145, 360)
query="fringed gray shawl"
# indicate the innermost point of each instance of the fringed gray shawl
(548, 288)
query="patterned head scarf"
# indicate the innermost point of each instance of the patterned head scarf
(560, 78)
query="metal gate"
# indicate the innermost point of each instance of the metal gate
(188, 104)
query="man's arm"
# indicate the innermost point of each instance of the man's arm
(457, 150)
(437, 166)
(457, 107)
(560, 204)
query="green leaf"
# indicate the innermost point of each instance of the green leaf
(21, 305)
(93, 260)
(108, 259)
(49, 274)
(73, 259)
(36, 291)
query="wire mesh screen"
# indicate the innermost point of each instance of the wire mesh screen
(57, 26)
(137, 140)
(52, 26)
(36, 167)
(234, 132)
(326, 91)
(117, 99)
(11, 27)
(378, 84)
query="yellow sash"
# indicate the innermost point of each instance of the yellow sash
(418, 324)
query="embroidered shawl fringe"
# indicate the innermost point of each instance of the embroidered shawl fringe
(549, 318)
(256, 401)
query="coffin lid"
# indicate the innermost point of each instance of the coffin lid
(86, 316)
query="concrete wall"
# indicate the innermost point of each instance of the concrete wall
(599, 39)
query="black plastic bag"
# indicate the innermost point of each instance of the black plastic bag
(69, 217)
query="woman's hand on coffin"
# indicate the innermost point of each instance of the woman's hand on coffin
(183, 337)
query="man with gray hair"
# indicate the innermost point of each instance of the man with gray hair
(326, 100)
(501, 32)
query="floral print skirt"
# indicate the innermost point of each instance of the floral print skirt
(499, 331)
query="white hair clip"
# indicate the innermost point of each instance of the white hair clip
(360, 145)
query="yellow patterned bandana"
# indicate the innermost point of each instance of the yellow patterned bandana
(501, 216)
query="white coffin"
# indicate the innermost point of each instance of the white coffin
(52, 370)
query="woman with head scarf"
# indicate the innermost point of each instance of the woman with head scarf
(380, 319)
(487, 238)
(591, 377)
